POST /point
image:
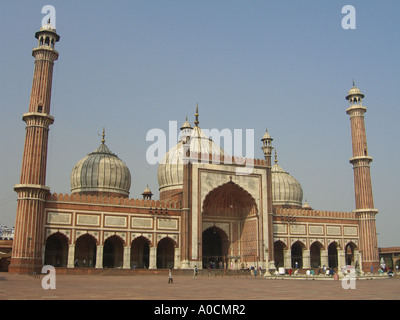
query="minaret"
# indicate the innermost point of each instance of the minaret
(362, 182)
(267, 150)
(27, 252)
(186, 131)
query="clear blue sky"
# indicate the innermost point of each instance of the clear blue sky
(131, 66)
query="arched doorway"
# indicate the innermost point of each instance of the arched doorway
(349, 253)
(315, 254)
(85, 251)
(231, 205)
(140, 252)
(297, 254)
(215, 248)
(165, 254)
(113, 252)
(279, 258)
(56, 250)
(333, 255)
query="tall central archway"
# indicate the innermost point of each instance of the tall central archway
(231, 206)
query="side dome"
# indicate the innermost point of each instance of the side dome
(101, 172)
(286, 190)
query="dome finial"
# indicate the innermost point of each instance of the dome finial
(354, 84)
(276, 157)
(196, 122)
(104, 135)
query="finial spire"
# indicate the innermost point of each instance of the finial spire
(104, 134)
(196, 122)
(354, 84)
(276, 157)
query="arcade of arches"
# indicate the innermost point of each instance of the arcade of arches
(297, 256)
(88, 253)
(216, 247)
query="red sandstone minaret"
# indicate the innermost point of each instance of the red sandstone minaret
(362, 182)
(27, 252)
(267, 150)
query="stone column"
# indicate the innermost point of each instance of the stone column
(71, 256)
(341, 259)
(324, 258)
(99, 256)
(127, 257)
(306, 259)
(153, 258)
(287, 258)
(357, 259)
(177, 258)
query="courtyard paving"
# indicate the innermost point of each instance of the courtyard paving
(184, 287)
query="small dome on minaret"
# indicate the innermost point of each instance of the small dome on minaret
(186, 125)
(47, 35)
(147, 194)
(306, 206)
(354, 93)
(267, 144)
(48, 26)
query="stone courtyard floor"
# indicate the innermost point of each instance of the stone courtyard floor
(156, 287)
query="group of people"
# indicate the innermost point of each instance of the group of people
(171, 279)
(252, 270)
(83, 263)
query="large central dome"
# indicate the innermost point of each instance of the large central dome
(101, 172)
(170, 170)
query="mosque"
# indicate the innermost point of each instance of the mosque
(206, 214)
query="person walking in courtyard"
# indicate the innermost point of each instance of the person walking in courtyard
(170, 279)
(195, 272)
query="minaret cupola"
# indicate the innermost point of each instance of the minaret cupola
(267, 144)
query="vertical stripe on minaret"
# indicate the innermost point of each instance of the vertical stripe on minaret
(365, 210)
(27, 252)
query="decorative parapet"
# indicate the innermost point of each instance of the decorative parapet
(210, 158)
(107, 200)
(314, 213)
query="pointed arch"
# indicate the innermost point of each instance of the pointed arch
(113, 251)
(165, 253)
(297, 254)
(140, 252)
(229, 200)
(315, 254)
(333, 254)
(85, 251)
(56, 250)
(349, 251)
(232, 205)
(279, 256)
